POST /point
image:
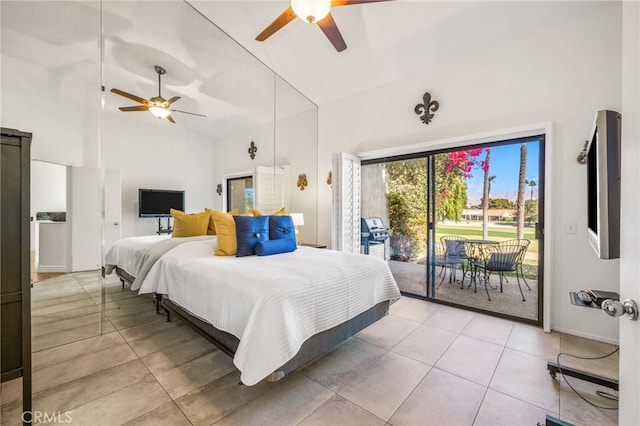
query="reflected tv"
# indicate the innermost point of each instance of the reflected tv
(603, 184)
(159, 202)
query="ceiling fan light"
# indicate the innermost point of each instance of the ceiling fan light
(311, 11)
(159, 111)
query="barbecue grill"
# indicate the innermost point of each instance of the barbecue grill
(373, 232)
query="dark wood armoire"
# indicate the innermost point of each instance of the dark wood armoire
(15, 263)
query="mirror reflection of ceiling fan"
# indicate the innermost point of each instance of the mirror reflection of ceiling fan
(313, 12)
(158, 106)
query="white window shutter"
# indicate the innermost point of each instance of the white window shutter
(271, 189)
(346, 203)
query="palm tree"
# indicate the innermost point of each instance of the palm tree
(521, 184)
(531, 184)
(485, 196)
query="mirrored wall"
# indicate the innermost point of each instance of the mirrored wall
(232, 115)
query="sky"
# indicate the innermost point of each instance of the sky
(505, 165)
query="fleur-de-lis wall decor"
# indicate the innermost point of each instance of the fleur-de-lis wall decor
(252, 150)
(427, 109)
(302, 182)
(330, 178)
(219, 189)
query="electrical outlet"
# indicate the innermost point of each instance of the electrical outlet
(570, 227)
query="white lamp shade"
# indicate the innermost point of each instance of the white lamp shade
(298, 219)
(311, 10)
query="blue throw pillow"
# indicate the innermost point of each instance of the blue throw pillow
(266, 248)
(250, 230)
(281, 228)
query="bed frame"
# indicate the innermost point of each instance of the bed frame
(314, 347)
(126, 278)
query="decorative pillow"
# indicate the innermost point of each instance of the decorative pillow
(282, 211)
(281, 228)
(250, 230)
(189, 225)
(256, 212)
(266, 248)
(226, 233)
(211, 230)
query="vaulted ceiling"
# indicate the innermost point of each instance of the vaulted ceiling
(386, 41)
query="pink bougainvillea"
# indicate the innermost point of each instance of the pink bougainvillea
(464, 161)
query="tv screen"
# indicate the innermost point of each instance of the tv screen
(159, 202)
(603, 185)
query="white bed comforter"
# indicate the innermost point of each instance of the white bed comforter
(271, 303)
(137, 255)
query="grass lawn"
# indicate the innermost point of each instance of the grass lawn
(472, 232)
(498, 234)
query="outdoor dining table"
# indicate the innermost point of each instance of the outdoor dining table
(474, 252)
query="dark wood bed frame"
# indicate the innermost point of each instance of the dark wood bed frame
(313, 348)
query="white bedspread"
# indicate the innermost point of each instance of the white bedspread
(136, 255)
(271, 303)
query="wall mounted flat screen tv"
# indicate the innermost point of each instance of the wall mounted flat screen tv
(603, 184)
(159, 202)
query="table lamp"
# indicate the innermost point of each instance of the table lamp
(298, 220)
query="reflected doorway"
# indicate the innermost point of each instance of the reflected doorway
(240, 193)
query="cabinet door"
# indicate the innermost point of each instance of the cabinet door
(14, 256)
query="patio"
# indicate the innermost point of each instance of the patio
(411, 279)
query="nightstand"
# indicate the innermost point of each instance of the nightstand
(314, 245)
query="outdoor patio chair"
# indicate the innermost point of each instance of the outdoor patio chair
(501, 258)
(439, 260)
(525, 246)
(454, 255)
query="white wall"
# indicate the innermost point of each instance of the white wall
(157, 154)
(563, 73)
(60, 111)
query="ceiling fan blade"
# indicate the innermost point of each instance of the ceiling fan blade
(335, 3)
(330, 29)
(282, 20)
(170, 118)
(172, 100)
(130, 96)
(186, 112)
(135, 108)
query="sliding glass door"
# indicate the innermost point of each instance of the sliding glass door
(449, 211)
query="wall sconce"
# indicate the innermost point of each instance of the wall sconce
(302, 182)
(298, 220)
(427, 109)
(252, 150)
(330, 178)
(219, 189)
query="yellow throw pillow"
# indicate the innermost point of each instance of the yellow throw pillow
(226, 233)
(281, 212)
(189, 225)
(211, 229)
(256, 212)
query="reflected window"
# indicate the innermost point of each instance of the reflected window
(240, 193)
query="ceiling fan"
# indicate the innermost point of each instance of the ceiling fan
(158, 106)
(313, 12)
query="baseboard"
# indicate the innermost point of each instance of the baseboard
(597, 338)
(47, 269)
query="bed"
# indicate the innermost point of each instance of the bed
(272, 314)
(131, 258)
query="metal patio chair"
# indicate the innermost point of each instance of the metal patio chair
(501, 258)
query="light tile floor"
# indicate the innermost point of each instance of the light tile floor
(423, 364)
